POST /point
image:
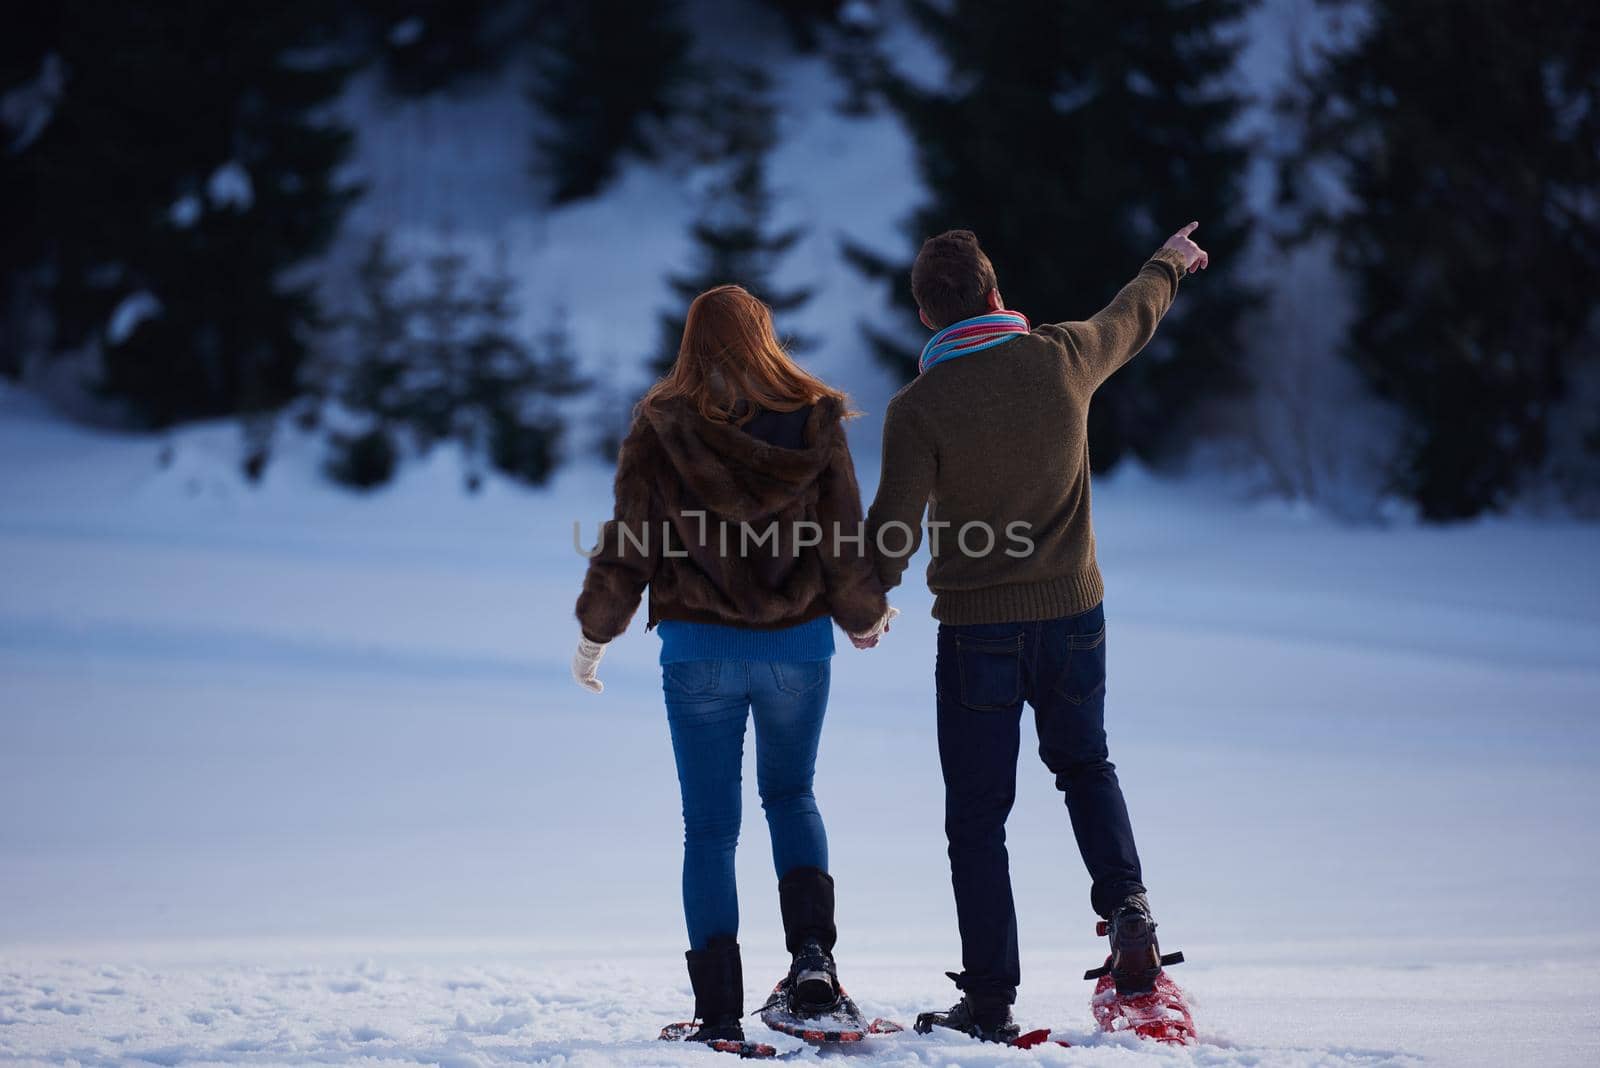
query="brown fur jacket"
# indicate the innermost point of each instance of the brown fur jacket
(746, 561)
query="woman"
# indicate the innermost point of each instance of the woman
(735, 494)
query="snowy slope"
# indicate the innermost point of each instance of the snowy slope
(291, 777)
(455, 170)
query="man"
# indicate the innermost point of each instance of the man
(993, 432)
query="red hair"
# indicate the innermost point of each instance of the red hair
(730, 354)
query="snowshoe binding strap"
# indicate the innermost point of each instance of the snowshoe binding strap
(1167, 961)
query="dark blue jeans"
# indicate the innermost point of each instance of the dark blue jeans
(984, 674)
(708, 704)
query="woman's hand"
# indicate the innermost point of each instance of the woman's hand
(868, 639)
(586, 664)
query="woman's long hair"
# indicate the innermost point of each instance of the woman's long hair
(730, 362)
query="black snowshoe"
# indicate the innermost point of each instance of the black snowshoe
(985, 1018)
(809, 1003)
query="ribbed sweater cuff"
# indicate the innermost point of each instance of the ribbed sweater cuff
(1021, 602)
(1172, 259)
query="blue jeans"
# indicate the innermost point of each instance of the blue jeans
(708, 704)
(984, 674)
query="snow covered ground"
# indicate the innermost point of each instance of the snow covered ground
(288, 777)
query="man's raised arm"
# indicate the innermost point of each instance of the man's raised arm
(1116, 333)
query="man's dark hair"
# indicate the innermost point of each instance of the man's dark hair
(951, 278)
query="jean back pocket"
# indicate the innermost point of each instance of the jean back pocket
(991, 672)
(1083, 666)
(797, 678)
(691, 678)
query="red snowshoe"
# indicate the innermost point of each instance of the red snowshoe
(1134, 994)
(1161, 1014)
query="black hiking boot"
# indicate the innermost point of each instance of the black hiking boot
(987, 1019)
(717, 976)
(805, 896)
(1135, 954)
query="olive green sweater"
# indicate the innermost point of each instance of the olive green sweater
(999, 438)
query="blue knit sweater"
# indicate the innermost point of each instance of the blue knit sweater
(681, 641)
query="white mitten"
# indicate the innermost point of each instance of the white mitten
(880, 627)
(586, 664)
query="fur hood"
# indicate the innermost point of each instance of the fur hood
(739, 477)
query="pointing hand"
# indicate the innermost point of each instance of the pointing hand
(1194, 257)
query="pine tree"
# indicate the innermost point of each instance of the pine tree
(848, 34)
(363, 460)
(447, 365)
(855, 51)
(367, 373)
(429, 45)
(1072, 138)
(1467, 137)
(438, 387)
(807, 21)
(612, 414)
(606, 77)
(181, 176)
(516, 387)
(376, 380)
(32, 80)
(733, 243)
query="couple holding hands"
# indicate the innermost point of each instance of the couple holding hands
(737, 507)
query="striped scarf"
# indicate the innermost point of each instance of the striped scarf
(972, 335)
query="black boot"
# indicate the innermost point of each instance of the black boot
(984, 1017)
(805, 896)
(1135, 954)
(718, 980)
